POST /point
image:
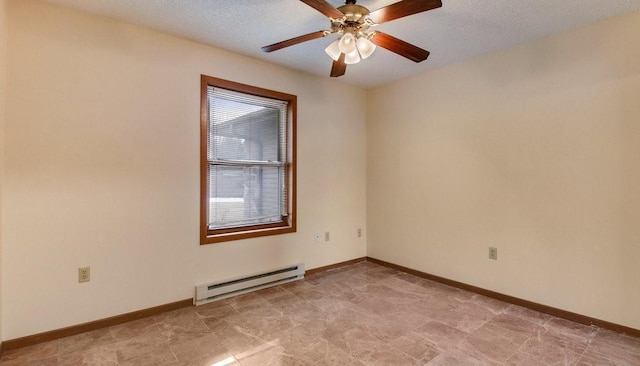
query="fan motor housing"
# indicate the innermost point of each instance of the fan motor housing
(354, 13)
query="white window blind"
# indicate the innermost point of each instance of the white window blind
(247, 159)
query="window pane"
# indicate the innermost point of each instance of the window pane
(244, 195)
(245, 128)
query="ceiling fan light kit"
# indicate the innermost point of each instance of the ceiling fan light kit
(353, 48)
(352, 22)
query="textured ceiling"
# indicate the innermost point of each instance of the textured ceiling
(460, 30)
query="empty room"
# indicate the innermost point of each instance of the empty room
(319, 182)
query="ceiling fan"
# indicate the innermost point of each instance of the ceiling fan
(352, 22)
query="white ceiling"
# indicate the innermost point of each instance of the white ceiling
(460, 30)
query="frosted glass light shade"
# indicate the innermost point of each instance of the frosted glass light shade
(352, 57)
(333, 50)
(366, 47)
(347, 43)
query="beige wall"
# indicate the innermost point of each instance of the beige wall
(533, 150)
(3, 63)
(102, 169)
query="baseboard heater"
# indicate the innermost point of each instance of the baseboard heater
(209, 292)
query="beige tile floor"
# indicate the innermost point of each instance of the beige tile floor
(363, 314)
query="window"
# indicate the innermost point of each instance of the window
(247, 168)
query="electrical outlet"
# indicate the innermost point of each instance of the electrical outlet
(493, 253)
(326, 236)
(359, 233)
(84, 274)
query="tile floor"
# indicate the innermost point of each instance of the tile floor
(363, 314)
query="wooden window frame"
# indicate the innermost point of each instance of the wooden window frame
(288, 224)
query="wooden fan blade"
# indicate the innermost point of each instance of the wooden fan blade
(293, 41)
(402, 48)
(339, 67)
(402, 9)
(325, 8)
